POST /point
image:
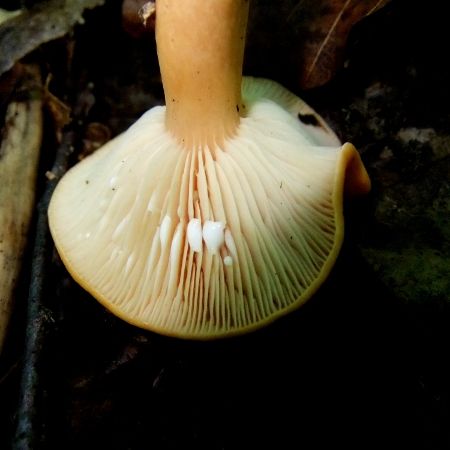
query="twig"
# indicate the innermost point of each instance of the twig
(37, 313)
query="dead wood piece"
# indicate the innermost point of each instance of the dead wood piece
(19, 155)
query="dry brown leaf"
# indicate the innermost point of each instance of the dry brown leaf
(59, 111)
(95, 136)
(324, 26)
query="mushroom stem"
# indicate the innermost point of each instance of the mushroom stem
(200, 50)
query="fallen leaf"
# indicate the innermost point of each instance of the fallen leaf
(324, 26)
(58, 110)
(95, 136)
(46, 21)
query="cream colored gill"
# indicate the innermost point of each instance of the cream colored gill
(205, 243)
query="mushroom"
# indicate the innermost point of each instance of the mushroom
(218, 213)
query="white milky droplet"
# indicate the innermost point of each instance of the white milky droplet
(113, 182)
(194, 234)
(213, 235)
(164, 231)
(229, 242)
(228, 260)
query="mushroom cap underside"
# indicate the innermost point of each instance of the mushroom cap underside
(207, 242)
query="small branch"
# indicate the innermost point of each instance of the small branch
(37, 313)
